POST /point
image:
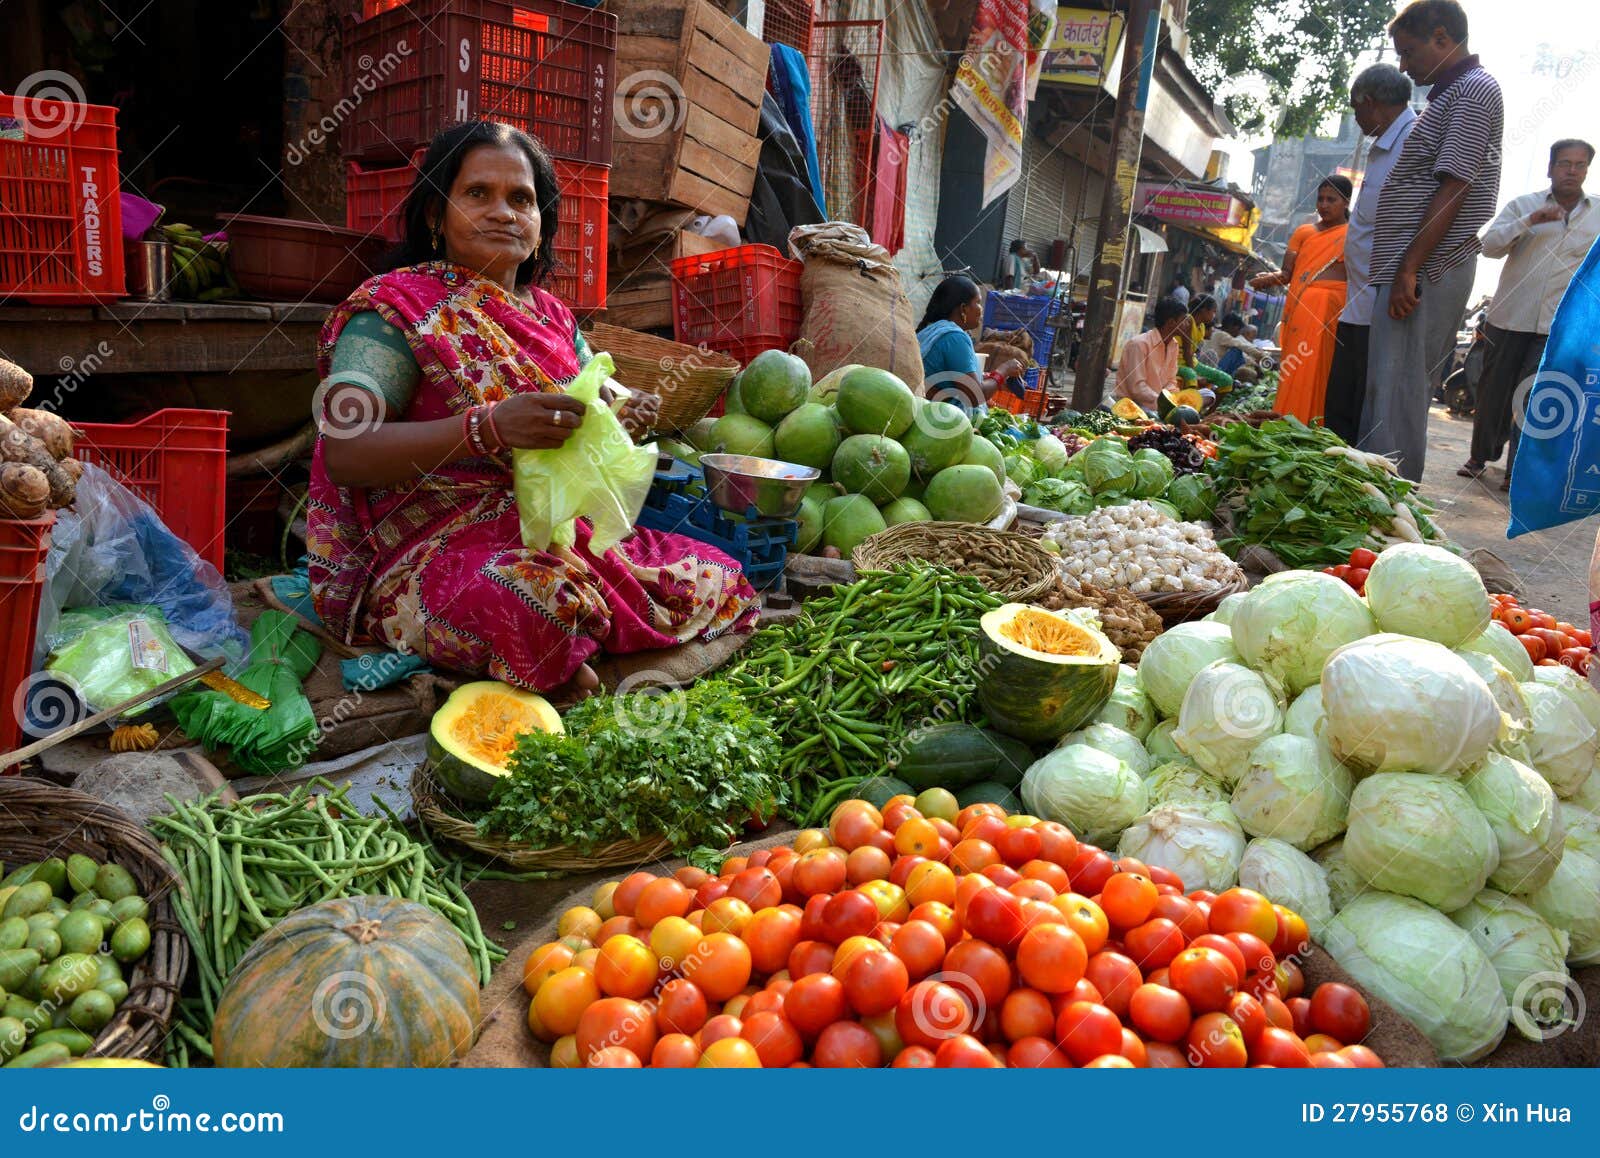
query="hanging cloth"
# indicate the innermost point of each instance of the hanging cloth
(889, 187)
(790, 81)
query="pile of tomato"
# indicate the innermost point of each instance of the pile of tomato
(1547, 640)
(928, 935)
(1355, 570)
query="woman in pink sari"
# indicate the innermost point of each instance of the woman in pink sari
(432, 374)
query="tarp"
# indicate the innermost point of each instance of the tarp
(790, 81)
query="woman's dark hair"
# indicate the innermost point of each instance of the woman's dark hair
(953, 293)
(1341, 185)
(1202, 303)
(440, 166)
(1016, 246)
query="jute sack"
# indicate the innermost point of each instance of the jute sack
(855, 310)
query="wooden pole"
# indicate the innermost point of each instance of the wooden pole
(1116, 206)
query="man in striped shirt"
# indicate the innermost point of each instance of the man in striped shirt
(1442, 191)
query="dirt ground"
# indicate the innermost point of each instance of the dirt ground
(1553, 565)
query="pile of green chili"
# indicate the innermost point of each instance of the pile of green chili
(859, 669)
(248, 865)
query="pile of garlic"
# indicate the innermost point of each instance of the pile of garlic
(1138, 548)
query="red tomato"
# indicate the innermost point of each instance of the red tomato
(995, 915)
(1292, 936)
(1031, 890)
(1090, 870)
(1002, 874)
(1084, 990)
(1159, 1013)
(1249, 1013)
(675, 1051)
(1155, 943)
(1342, 571)
(1115, 976)
(1048, 873)
(1583, 638)
(1362, 557)
(615, 1057)
(920, 946)
(1017, 846)
(1577, 658)
(1244, 911)
(1280, 1048)
(1161, 1056)
(1088, 1031)
(1340, 1011)
(1300, 1011)
(681, 1007)
(1226, 947)
(1051, 958)
(814, 1002)
(1133, 1049)
(767, 1001)
(900, 874)
(987, 967)
(810, 957)
(1128, 899)
(875, 982)
(1331, 1060)
(1533, 646)
(1056, 844)
(1277, 1012)
(846, 1045)
(1356, 577)
(1290, 980)
(964, 1052)
(1032, 1053)
(1204, 976)
(717, 1028)
(931, 1012)
(616, 1021)
(777, 1042)
(822, 870)
(772, 935)
(1110, 1061)
(848, 914)
(914, 1057)
(1165, 876)
(1182, 912)
(1132, 864)
(757, 887)
(1362, 1057)
(867, 864)
(1554, 642)
(1322, 1043)
(1216, 1042)
(1026, 1013)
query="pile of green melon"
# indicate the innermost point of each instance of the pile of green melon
(886, 456)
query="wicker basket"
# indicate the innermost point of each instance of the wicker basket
(40, 820)
(688, 380)
(433, 811)
(1176, 607)
(1011, 565)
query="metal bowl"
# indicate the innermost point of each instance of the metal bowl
(736, 482)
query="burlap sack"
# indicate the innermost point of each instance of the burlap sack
(855, 310)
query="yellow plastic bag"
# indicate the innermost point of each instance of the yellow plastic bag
(598, 474)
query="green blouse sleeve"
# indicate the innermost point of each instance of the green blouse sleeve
(581, 345)
(373, 354)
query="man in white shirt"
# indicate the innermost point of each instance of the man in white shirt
(1381, 100)
(1543, 236)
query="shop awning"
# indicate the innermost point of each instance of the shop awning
(1149, 240)
(1233, 238)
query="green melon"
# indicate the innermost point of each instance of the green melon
(773, 384)
(809, 520)
(699, 435)
(964, 494)
(742, 434)
(824, 490)
(982, 452)
(940, 436)
(826, 388)
(914, 489)
(904, 510)
(732, 403)
(1041, 674)
(847, 520)
(867, 464)
(873, 401)
(808, 436)
(879, 790)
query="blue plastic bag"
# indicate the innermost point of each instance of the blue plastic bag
(1556, 476)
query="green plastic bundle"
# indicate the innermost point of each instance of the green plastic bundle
(267, 741)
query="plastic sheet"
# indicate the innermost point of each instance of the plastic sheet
(598, 473)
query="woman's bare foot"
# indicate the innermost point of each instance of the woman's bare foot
(583, 684)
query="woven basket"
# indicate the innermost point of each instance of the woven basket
(688, 380)
(433, 811)
(40, 820)
(1176, 607)
(1011, 565)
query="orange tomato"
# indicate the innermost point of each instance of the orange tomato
(855, 823)
(719, 965)
(626, 968)
(820, 871)
(661, 898)
(562, 999)
(942, 917)
(771, 935)
(867, 864)
(921, 946)
(729, 1053)
(916, 837)
(1128, 898)
(614, 1057)
(1086, 919)
(1244, 911)
(1026, 1013)
(810, 839)
(543, 963)
(931, 881)
(675, 1051)
(777, 1043)
(672, 939)
(727, 915)
(564, 1054)
(1051, 958)
(1047, 872)
(851, 948)
(626, 897)
(616, 1021)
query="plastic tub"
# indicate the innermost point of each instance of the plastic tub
(277, 259)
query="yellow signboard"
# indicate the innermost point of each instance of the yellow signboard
(1084, 42)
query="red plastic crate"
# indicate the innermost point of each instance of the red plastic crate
(736, 301)
(175, 460)
(1031, 403)
(579, 279)
(60, 217)
(23, 547)
(373, 195)
(544, 66)
(371, 8)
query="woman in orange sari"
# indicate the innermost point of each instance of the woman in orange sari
(1313, 269)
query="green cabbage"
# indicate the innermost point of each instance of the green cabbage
(1180, 782)
(1421, 836)
(1287, 629)
(1582, 828)
(1428, 592)
(1290, 877)
(1108, 467)
(1202, 843)
(1160, 746)
(1400, 704)
(1049, 450)
(1572, 685)
(1432, 972)
(1561, 743)
(1129, 708)
(1150, 479)
(1092, 792)
(1497, 642)
(1528, 955)
(1109, 738)
(1022, 470)
(1227, 710)
(1503, 686)
(1172, 659)
(1521, 810)
(1570, 900)
(1293, 789)
(1344, 883)
(1306, 715)
(1194, 497)
(1063, 495)
(1226, 609)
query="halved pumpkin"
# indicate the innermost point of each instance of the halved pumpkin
(1170, 400)
(473, 735)
(1127, 408)
(1042, 673)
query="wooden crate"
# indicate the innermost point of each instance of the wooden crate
(687, 105)
(639, 293)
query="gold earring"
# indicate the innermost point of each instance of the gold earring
(436, 239)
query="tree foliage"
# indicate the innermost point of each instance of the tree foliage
(1281, 66)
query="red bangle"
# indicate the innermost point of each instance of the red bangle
(499, 443)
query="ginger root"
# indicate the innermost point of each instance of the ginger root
(51, 429)
(24, 491)
(18, 446)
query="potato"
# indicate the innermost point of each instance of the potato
(16, 445)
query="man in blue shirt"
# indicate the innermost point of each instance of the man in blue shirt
(1380, 98)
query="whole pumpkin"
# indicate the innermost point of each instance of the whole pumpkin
(355, 982)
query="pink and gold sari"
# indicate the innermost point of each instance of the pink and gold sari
(436, 566)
